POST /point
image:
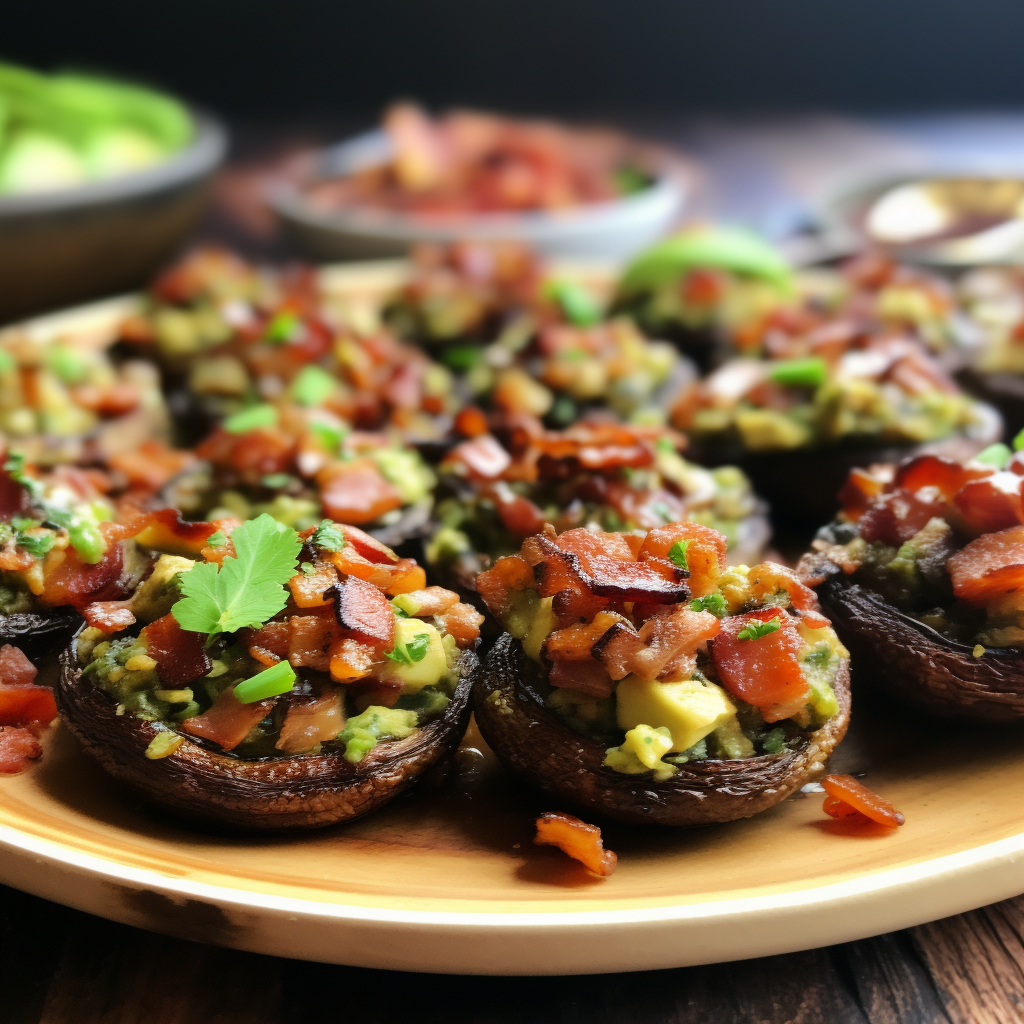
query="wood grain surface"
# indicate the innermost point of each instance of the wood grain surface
(58, 966)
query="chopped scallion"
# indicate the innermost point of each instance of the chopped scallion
(271, 682)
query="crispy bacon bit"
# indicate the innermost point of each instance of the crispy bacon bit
(991, 504)
(363, 610)
(356, 491)
(463, 622)
(310, 721)
(764, 671)
(180, 654)
(24, 705)
(109, 616)
(15, 668)
(945, 475)
(77, 583)
(151, 465)
(314, 591)
(705, 552)
(989, 567)
(896, 516)
(351, 660)
(575, 643)
(847, 797)
(668, 639)
(309, 641)
(269, 644)
(470, 422)
(576, 838)
(588, 677)
(18, 747)
(431, 601)
(167, 531)
(228, 721)
(483, 457)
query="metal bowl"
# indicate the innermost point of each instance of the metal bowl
(69, 245)
(612, 230)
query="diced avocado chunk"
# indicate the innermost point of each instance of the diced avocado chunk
(730, 741)
(363, 731)
(530, 620)
(689, 708)
(413, 663)
(409, 474)
(159, 591)
(642, 751)
(764, 429)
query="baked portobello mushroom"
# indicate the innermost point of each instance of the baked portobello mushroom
(273, 695)
(642, 679)
(797, 425)
(923, 576)
(301, 463)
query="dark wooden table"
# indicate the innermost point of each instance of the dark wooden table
(59, 966)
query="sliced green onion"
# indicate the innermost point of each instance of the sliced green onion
(249, 419)
(7, 362)
(1018, 442)
(271, 682)
(70, 366)
(313, 385)
(578, 305)
(799, 373)
(329, 436)
(87, 540)
(997, 455)
(282, 328)
(461, 357)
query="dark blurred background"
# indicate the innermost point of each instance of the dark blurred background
(314, 58)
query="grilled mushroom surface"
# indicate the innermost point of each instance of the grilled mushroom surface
(536, 744)
(201, 783)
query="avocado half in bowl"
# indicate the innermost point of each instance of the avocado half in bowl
(73, 244)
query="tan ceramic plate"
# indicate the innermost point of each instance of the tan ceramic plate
(447, 880)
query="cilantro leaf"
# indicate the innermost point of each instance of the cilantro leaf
(714, 603)
(677, 554)
(249, 588)
(329, 536)
(308, 569)
(313, 385)
(15, 468)
(242, 422)
(217, 540)
(412, 651)
(754, 630)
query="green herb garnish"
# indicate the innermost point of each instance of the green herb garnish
(68, 364)
(308, 569)
(997, 455)
(15, 468)
(677, 554)
(412, 651)
(461, 357)
(1018, 442)
(799, 373)
(271, 682)
(329, 436)
(313, 385)
(7, 362)
(754, 630)
(578, 305)
(282, 328)
(276, 481)
(714, 603)
(217, 540)
(329, 536)
(242, 422)
(247, 589)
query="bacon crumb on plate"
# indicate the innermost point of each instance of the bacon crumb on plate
(576, 838)
(846, 797)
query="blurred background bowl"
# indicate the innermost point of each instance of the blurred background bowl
(69, 245)
(605, 231)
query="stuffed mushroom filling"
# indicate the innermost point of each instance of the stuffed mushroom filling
(613, 477)
(280, 644)
(652, 645)
(941, 540)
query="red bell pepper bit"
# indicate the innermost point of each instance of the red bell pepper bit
(764, 671)
(846, 797)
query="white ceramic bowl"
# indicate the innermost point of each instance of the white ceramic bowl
(613, 230)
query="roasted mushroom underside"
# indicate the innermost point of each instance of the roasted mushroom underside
(306, 791)
(40, 635)
(899, 655)
(534, 743)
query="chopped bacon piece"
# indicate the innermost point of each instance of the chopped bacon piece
(310, 721)
(470, 422)
(15, 668)
(764, 671)
(18, 747)
(109, 616)
(431, 601)
(309, 641)
(670, 637)
(151, 465)
(576, 838)
(351, 660)
(945, 475)
(992, 503)
(770, 577)
(483, 457)
(269, 644)
(378, 693)
(463, 622)
(847, 796)
(363, 610)
(855, 495)
(15, 559)
(576, 642)
(228, 721)
(989, 567)
(895, 517)
(356, 491)
(77, 583)
(180, 654)
(113, 400)
(705, 552)
(590, 544)
(520, 516)
(26, 705)
(589, 677)
(167, 531)
(313, 591)
(368, 547)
